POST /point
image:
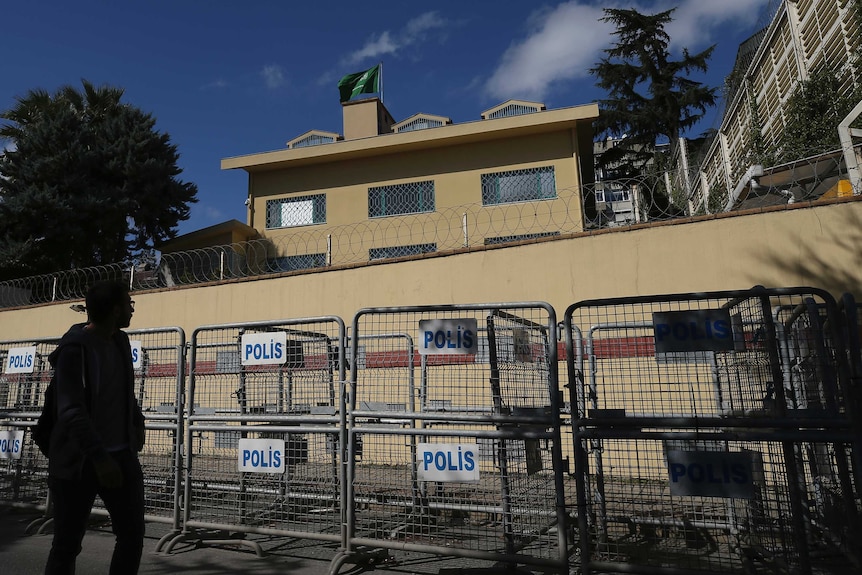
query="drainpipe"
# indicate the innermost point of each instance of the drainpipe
(851, 160)
(750, 175)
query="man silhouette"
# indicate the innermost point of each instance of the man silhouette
(99, 431)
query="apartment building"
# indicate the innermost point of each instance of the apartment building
(802, 36)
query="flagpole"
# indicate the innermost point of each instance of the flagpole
(381, 81)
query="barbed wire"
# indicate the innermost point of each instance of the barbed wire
(676, 193)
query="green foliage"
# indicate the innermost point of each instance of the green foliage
(812, 116)
(717, 199)
(650, 97)
(87, 181)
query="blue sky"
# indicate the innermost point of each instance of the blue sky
(228, 78)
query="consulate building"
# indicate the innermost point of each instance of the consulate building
(389, 189)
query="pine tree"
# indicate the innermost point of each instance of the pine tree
(87, 180)
(650, 97)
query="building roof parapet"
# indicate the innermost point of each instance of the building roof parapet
(512, 108)
(421, 121)
(314, 138)
(453, 134)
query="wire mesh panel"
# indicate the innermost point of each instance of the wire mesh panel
(24, 376)
(264, 430)
(453, 424)
(712, 435)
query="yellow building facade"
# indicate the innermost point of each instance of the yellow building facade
(405, 186)
(344, 230)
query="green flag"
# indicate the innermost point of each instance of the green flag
(367, 82)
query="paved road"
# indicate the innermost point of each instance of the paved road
(23, 554)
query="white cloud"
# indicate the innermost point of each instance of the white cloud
(374, 48)
(696, 22)
(415, 31)
(564, 42)
(212, 213)
(273, 75)
(215, 85)
(561, 45)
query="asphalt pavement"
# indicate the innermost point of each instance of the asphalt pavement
(23, 553)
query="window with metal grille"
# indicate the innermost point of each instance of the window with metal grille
(513, 110)
(290, 212)
(420, 124)
(297, 262)
(518, 237)
(518, 186)
(400, 251)
(313, 140)
(410, 198)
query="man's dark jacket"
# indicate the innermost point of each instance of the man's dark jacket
(74, 437)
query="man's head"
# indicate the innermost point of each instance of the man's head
(109, 305)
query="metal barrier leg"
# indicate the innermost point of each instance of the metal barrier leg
(213, 538)
(38, 525)
(359, 557)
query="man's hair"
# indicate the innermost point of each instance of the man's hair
(103, 296)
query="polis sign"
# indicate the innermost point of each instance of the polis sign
(269, 348)
(693, 330)
(711, 474)
(11, 443)
(261, 455)
(137, 354)
(448, 462)
(448, 336)
(20, 360)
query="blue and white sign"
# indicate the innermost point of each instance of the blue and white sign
(711, 474)
(137, 354)
(20, 360)
(261, 455)
(264, 348)
(448, 336)
(692, 330)
(448, 462)
(11, 444)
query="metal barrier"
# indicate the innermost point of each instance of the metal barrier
(852, 328)
(264, 432)
(711, 433)
(159, 359)
(23, 378)
(467, 462)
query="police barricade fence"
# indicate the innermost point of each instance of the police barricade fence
(712, 433)
(24, 377)
(453, 437)
(851, 328)
(159, 363)
(263, 435)
(158, 359)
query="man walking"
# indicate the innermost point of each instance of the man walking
(99, 431)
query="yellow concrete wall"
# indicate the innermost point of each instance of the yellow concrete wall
(807, 245)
